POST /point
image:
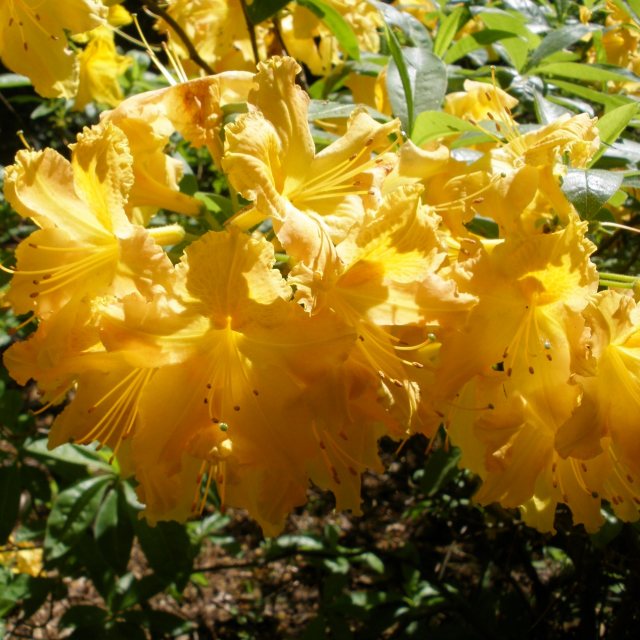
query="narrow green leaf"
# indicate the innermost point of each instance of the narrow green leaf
(557, 40)
(612, 124)
(473, 42)
(547, 111)
(587, 72)
(72, 513)
(399, 83)
(427, 84)
(609, 100)
(259, 10)
(448, 28)
(513, 23)
(334, 21)
(517, 49)
(325, 110)
(83, 615)
(589, 190)
(431, 125)
(10, 490)
(439, 468)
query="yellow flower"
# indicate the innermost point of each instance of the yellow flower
(85, 246)
(270, 158)
(227, 400)
(479, 101)
(22, 557)
(33, 40)
(517, 349)
(217, 30)
(100, 66)
(307, 39)
(194, 109)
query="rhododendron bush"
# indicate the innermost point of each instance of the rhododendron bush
(273, 234)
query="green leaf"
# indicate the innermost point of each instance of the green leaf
(338, 26)
(69, 453)
(83, 615)
(113, 530)
(431, 125)
(10, 489)
(609, 100)
(399, 83)
(414, 31)
(18, 589)
(587, 72)
(473, 42)
(441, 465)
(557, 40)
(259, 10)
(612, 124)
(448, 28)
(13, 80)
(547, 111)
(72, 513)
(326, 109)
(589, 190)
(168, 550)
(427, 85)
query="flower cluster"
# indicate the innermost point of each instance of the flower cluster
(349, 299)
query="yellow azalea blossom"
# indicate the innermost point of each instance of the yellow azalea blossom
(194, 109)
(270, 157)
(531, 291)
(610, 381)
(479, 101)
(227, 400)
(217, 30)
(100, 66)
(22, 557)
(370, 90)
(33, 40)
(511, 447)
(384, 274)
(507, 380)
(307, 39)
(517, 182)
(85, 246)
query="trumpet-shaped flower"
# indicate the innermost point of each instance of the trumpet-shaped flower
(227, 401)
(270, 157)
(33, 40)
(85, 246)
(194, 109)
(100, 66)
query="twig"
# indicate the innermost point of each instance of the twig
(252, 32)
(194, 56)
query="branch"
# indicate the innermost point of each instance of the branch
(194, 56)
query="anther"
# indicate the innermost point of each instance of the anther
(236, 408)
(531, 370)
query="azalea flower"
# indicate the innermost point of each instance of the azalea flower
(33, 40)
(100, 66)
(194, 109)
(237, 357)
(270, 158)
